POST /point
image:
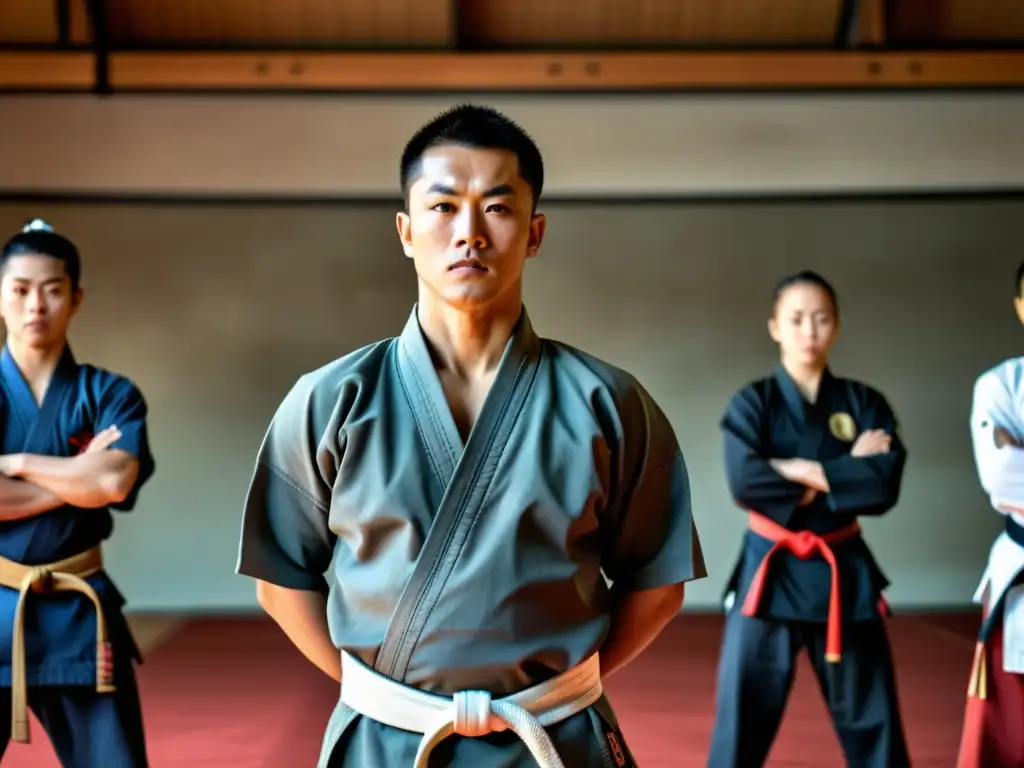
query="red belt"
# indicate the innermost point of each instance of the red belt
(804, 545)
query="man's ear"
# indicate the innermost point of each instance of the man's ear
(538, 227)
(404, 225)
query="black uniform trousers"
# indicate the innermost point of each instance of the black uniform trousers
(755, 676)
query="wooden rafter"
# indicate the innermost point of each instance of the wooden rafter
(561, 72)
(35, 71)
(871, 25)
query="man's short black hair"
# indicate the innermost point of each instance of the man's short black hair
(1018, 289)
(470, 125)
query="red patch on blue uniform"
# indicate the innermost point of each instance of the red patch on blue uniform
(80, 441)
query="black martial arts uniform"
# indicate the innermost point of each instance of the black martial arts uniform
(780, 594)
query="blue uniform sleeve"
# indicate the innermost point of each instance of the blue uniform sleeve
(753, 483)
(653, 540)
(124, 407)
(285, 538)
(868, 485)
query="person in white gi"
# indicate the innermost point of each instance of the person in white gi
(993, 733)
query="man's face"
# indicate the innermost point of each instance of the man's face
(36, 300)
(470, 226)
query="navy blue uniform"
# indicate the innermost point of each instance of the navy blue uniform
(88, 729)
(770, 419)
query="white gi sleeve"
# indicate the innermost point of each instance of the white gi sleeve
(1000, 469)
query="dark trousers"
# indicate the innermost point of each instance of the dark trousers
(87, 729)
(755, 676)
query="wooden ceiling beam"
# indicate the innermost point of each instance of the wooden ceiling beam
(526, 72)
(862, 24)
(63, 23)
(848, 25)
(99, 24)
(46, 71)
(871, 30)
(437, 72)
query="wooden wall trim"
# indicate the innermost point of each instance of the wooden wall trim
(556, 72)
(523, 72)
(46, 71)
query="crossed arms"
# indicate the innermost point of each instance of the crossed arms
(811, 474)
(865, 481)
(31, 484)
(1011, 454)
(998, 454)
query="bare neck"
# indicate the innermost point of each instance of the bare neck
(36, 364)
(468, 344)
(806, 377)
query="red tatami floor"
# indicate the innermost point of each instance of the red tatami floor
(232, 693)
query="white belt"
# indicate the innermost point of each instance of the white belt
(472, 713)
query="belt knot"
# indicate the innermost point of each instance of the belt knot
(40, 579)
(803, 544)
(474, 716)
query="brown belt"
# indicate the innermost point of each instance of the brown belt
(66, 575)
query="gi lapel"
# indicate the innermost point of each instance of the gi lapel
(470, 478)
(41, 439)
(22, 406)
(39, 422)
(811, 417)
(422, 388)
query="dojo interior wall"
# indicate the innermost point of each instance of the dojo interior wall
(215, 308)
